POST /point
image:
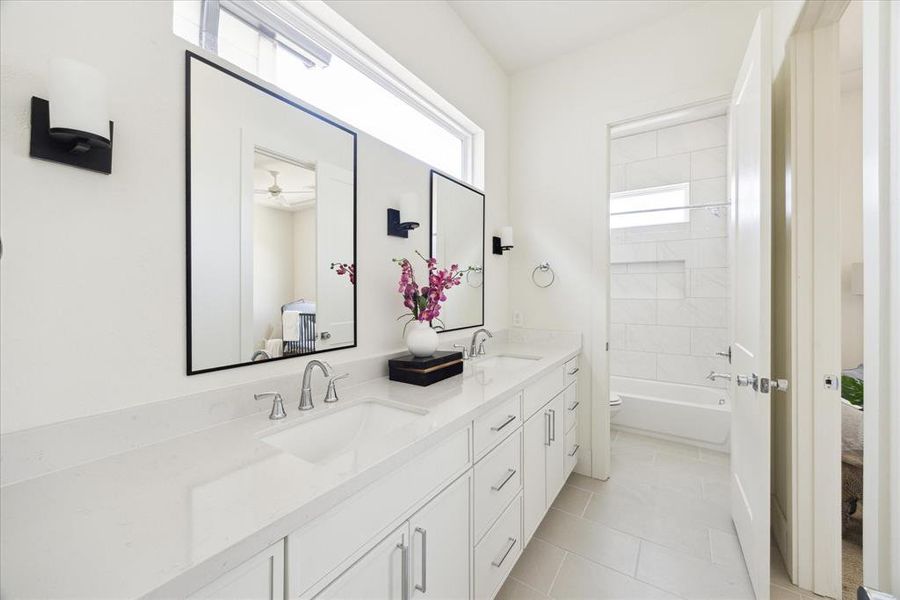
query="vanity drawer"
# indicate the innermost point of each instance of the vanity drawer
(571, 370)
(573, 406)
(496, 554)
(542, 391)
(495, 426)
(498, 478)
(344, 532)
(572, 449)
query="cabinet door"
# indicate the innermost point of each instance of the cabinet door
(378, 575)
(534, 469)
(441, 545)
(556, 454)
(260, 578)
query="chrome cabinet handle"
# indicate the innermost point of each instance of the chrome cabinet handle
(751, 380)
(422, 588)
(553, 427)
(547, 428)
(499, 561)
(575, 370)
(404, 568)
(509, 419)
(574, 405)
(574, 450)
(509, 475)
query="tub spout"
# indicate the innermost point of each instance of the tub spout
(713, 376)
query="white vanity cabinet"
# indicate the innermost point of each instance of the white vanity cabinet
(260, 578)
(441, 545)
(449, 524)
(543, 461)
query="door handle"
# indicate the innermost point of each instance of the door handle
(553, 426)
(574, 450)
(751, 380)
(404, 568)
(547, 428)
(424, 569)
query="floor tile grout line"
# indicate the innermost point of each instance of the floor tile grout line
(527, 585)
(558, 570)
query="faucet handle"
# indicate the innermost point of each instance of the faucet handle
(331, 394)
(481, 351)
(277, 404)
(465, 350)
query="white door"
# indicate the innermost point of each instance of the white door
(334, 244)
(379, 575)
(534, 470)
(750, 183)
(439, 552)
(556, 451)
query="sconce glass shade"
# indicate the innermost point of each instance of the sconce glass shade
(506, 237)
(409, 209)
(79, 105)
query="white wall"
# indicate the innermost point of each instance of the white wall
(558, 161)
(273, 270)
(851, 226)
(92, 282)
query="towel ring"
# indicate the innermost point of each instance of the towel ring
(479, 270)
(543, 268)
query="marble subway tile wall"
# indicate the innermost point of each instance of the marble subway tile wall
(670, 282)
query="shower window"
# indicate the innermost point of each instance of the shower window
(649, 206)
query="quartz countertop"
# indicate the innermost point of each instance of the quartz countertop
(166, 519)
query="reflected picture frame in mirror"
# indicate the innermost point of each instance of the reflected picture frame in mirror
(473, 247)
(256, 147)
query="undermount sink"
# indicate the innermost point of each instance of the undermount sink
(504, 361)
(321, 439)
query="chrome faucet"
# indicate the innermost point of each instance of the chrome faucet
(306, 402)
(476, 349)
(277, 404)
(714, 376)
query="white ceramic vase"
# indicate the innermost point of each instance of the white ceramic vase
(421, 339)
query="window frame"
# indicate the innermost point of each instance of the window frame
(684, 187)
(301, 28)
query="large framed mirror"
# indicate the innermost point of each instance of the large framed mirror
(271, 224)
(457, 237)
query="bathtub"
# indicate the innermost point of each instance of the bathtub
(691, 414)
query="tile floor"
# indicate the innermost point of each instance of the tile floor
(660, 527)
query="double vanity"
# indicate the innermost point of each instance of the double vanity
(394, 491)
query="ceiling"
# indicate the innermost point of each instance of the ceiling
(524, 33)
(298, 183)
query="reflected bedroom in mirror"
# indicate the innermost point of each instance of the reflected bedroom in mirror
(457, 237)
(271, 245)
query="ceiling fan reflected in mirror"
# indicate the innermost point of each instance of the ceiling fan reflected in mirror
(286, 198)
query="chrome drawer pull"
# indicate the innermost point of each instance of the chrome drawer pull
(509, 475)
(508, 420)
(574, 450)
(512, 544)
(424, 587)
(573, 371)
(574, 405)
(553, 427)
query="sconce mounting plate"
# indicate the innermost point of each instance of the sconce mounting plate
(47, 147)
(397, 228)
(498, 248)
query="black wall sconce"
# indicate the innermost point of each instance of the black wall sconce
(397, 227)
(73, 127)
(503, 242)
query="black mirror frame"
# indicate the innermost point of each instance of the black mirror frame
(189, 56)
(434, 174)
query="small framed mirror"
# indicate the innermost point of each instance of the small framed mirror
(271, 224)
(457, 237)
